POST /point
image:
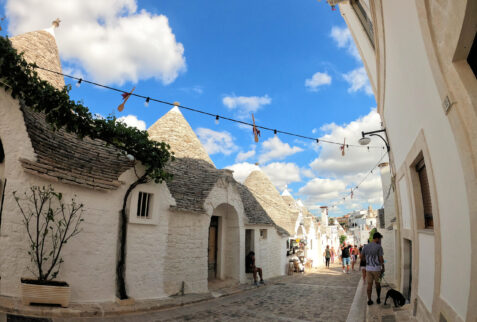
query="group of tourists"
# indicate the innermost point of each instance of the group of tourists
(371, 262)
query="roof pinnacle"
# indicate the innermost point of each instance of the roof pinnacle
(56, 23)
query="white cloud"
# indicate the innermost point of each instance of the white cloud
(132, 120)
(317, 80)
(275, 149)
(216, 142)
(245, 105)
(110, 40)
(343, 39)
(319, 190)
(281, 174)
(357, 160)
(314, 131)
(242, 170)
(242, 156)
(345, 172)
(358, 81)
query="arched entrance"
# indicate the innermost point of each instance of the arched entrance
(224, 244)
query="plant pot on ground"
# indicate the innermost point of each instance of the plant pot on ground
(49, 292)
(50, 224)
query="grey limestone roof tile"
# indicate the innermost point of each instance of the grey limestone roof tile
(64, 157)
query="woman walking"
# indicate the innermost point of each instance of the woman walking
(332, 255)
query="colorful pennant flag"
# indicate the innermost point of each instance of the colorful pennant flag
(125, 96)
(342, 148)
(256, 132)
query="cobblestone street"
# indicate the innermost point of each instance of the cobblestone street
(321, 295)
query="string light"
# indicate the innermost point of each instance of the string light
(80, 80)
(342, 199)
(146, 103)
(217, 119)
(275, 133)
(78, 84)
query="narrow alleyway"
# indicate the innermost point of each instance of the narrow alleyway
(321, 295)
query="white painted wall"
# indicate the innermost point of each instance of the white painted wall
(405, 203)
(147, 243)
(425, 288)
(412, 103)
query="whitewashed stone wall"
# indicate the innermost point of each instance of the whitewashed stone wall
(186, 258)
(148, 243)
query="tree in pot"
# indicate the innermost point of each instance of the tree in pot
(50, 224)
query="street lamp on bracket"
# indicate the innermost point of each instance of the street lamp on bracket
(365, 139)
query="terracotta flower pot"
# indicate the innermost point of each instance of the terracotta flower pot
(55, 293)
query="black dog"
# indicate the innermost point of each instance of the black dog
(397, 297)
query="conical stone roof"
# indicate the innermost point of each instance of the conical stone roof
(173, 129)
(40, 47)
(269, 198)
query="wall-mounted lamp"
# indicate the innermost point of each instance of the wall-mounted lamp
(366, 140)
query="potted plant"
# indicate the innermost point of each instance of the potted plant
(50, 224)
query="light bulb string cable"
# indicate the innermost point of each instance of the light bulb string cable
(275, 131)
(361, 182)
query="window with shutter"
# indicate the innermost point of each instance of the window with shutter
(365, 20)
(472, 57)
(425, 194)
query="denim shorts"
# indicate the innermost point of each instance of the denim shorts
(346, 261)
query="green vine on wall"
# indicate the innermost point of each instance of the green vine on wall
(61, 112)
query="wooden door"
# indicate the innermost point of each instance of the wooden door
(212, 248)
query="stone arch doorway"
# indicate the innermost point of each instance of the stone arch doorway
(224, 244)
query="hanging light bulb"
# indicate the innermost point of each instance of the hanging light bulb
(217, 119)
(317, 140)
(275, 132)
(78, 84)
(146, 103)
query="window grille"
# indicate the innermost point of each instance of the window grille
(143, 205)
(365, 20)
(425, 194)
(263, 233)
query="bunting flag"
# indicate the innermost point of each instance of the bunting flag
(256, 132)
(125, 96)
(342, 148)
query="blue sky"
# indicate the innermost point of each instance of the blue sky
(230, 58)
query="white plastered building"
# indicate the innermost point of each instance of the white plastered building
(420, 57)
(197, 229)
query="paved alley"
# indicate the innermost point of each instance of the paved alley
(321, 295)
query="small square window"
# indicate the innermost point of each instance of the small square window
(263, 233)
(143, 205)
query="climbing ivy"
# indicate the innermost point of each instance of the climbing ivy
(61, 112)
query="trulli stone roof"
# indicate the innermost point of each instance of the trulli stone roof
(269, 198)
(173, 129)
(40, 47)
(62, 156)
(194, 179)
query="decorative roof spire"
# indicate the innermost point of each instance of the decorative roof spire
(56, 23)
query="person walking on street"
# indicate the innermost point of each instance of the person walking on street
(332, 255)
(373, 252)
(327, 256)
(345, 257)
(354, 256)
(362, 264)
